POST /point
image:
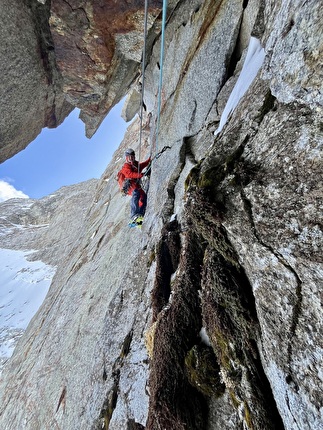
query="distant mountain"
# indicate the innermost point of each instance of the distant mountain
(24, 285)
(34, 235)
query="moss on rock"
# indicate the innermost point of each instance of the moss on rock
(202, 370)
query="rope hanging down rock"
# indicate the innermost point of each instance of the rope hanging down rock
(161, 64)
(143, 67)
(160, 78)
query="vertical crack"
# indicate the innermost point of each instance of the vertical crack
(228, 304)
(174, 402)
(111, 402)
(193, 115)
(185, 153)
(112, 396)
(290, 411)
(167, 259)
(298, 291)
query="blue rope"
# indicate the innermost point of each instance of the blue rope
(143, 66)
(161, 70)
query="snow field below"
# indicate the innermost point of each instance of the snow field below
(23, 287)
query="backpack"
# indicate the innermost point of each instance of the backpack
(123, 183)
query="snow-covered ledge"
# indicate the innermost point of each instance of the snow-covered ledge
(253, 62)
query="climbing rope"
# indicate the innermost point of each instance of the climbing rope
(161, 64)
(160, 79)
(143, 66)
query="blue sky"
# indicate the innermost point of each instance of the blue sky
(62, 156)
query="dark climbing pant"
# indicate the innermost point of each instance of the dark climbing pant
(138, 202)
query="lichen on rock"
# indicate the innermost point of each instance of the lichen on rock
(231, 240)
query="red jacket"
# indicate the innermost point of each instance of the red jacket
(130, 171)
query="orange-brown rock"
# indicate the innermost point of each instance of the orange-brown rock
(59, 55)
(98, 46)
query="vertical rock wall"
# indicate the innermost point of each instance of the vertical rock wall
(210, 316)
(30, 87)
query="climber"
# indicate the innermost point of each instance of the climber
(132, 171)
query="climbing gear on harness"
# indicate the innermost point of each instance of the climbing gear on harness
(124, 184)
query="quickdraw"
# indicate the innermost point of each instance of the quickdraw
(160, 152)
(148, 168)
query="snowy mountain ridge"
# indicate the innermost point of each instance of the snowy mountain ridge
(33, 239)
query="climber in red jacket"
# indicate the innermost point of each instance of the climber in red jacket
(132, 176)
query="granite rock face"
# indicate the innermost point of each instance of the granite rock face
(211, 315)
(63, 55)
(27, 68)
(98, 46)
